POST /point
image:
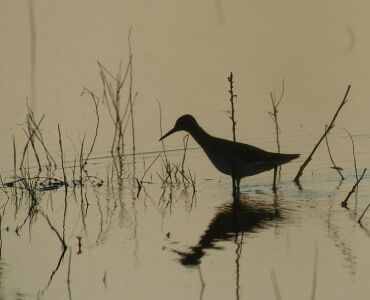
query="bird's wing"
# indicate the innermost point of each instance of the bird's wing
(247, 154)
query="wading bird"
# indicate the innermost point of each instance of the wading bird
(231, 157)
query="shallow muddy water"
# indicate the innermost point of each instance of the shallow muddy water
(167, 241)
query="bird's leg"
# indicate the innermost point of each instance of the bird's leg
(238, 186)
(274, 188)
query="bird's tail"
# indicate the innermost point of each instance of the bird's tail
(288, 157)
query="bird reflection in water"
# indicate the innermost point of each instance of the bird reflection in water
(232, 220)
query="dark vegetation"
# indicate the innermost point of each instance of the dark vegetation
(39, 172)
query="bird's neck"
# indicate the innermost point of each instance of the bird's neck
(199, 135)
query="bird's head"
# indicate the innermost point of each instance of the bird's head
(185, 122)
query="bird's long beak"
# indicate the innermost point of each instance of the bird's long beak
(168, 133)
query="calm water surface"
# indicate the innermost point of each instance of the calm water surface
(168, 242)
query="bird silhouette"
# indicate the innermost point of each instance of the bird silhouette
(231, 157)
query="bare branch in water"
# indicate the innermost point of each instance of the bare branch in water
(185, 144)
(327, 130)
(65, 183)
(112, 92)
(353, 152)
(161, 130)
(362, 215)
(233, 96)
(140, 182)
(345, 201)
(30, 135)
(96, 101)
(335, 167)
(130, 96)
(274, 114)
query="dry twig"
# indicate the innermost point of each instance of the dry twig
(232, 117)
(345, 201)
(274, 114)
(327, 130)
(362, 215)
(335, 167)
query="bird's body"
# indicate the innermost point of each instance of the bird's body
(225, 155)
